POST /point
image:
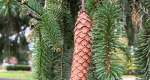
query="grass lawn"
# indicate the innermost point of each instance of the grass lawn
(26, 75)
(19, 75)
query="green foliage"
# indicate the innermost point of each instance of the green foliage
(92, 74)
(34, 5)
(49, 43)
(104, 42)
(90, 5)
(146, 3)
(143, 50)
(42, 62)
(50, 27)
(67, 25)
(9, 7)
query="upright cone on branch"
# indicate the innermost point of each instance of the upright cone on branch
(82, 47)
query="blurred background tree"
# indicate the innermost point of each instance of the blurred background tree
(13, 41)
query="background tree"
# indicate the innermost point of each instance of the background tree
(13, 42)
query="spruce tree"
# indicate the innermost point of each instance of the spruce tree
(104, 41)
(48, 44)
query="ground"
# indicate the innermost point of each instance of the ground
(26, 75)
(19, 75)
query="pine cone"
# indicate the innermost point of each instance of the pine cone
(82, 49)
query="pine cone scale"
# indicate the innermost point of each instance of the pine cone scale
(82, 49)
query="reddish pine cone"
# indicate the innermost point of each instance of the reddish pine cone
(82, 48)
